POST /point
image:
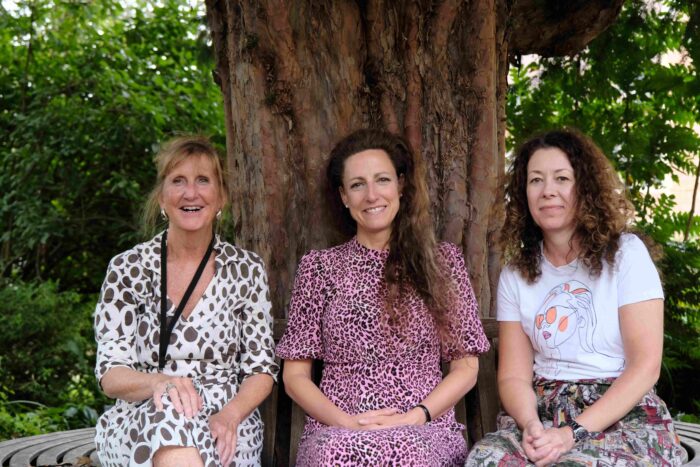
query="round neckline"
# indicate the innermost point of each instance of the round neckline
(570, 265)
(366, 251)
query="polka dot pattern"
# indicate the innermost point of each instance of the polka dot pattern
(226, 338)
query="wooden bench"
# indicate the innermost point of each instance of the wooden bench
(284, 423)
(64, 447)
(76, 448)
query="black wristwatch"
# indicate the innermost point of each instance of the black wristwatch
(579, 432)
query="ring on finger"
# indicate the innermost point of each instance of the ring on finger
(170, 386)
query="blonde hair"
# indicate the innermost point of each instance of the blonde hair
(171, 153)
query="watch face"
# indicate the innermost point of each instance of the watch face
(580, 434)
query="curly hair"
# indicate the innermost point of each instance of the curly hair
(171, 153)
(603, 212)
(413, 259)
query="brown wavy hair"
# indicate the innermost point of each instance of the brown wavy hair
(171, 153)
(603, 212)
(413, 259)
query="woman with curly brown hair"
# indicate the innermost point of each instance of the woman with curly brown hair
(381, 311)
(580, 307)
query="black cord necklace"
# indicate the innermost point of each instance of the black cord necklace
(166, 329)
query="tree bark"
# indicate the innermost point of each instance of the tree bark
(298, 75)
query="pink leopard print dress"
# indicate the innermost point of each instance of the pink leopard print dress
(335, 315)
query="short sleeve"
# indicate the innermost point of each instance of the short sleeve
(465, 323)
(303, 338)
(115, 318)
(637, 277)
(257, 351)
(507, 302)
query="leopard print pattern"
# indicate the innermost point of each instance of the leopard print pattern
(226, 338)
(336, 314)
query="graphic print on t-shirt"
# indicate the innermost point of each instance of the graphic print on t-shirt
(565, 326)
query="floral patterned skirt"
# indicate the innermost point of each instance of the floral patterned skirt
(644, 437)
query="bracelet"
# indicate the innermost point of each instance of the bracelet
(428, 418)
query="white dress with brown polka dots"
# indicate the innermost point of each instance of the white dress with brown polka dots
(226, 338)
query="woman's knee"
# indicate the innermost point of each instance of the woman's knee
(177, 456)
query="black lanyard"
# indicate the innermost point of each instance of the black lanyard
(166, 329)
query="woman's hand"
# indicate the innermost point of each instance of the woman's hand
(224, 432)
(383, 418)
(545, 446)
(182, 393)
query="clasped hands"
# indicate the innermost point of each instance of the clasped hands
(545, 446)
(383, 418)
(186, 400)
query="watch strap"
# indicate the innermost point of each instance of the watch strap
(579, 432)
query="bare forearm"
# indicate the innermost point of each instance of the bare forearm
(518, 399)
(310, 398)
(626, 392)
(253, 391)
(453, 387)
(130, 385)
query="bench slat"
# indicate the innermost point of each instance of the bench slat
(10, 447)
(54, 453)
(78, 452)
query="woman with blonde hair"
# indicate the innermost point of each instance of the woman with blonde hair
(183, 330)
(382, 311)
(580, 310)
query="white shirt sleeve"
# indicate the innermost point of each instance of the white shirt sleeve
(637, 280)
(508, 299)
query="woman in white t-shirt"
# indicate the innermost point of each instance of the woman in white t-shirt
(580, 310)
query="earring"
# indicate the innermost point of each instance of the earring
(346, 206)
(163, 214)
(218, 215)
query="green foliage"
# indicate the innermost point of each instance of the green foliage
(20, 418)
(48, 347)
(88, 90)
(636, 91)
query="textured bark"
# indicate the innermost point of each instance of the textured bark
(555, 27)
(298, 75)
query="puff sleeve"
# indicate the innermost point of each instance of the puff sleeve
(303, 337)
(465, 323)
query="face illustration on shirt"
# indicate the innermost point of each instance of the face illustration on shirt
(557, 324)
(566, 312)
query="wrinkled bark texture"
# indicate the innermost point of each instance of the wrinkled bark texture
(298, 75)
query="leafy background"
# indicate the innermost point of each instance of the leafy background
(636, 91)
(89, 89)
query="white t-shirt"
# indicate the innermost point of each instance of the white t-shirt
(572, 318)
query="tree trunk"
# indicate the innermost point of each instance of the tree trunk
(298, 75)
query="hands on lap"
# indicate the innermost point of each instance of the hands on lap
(224, 431)
(545, 446)
(186, 400)
(182, 393)
(384, 418)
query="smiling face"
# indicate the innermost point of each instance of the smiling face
(191, 195)
(551, 194)
(371, 190)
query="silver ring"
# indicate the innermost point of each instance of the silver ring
(169, 386)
